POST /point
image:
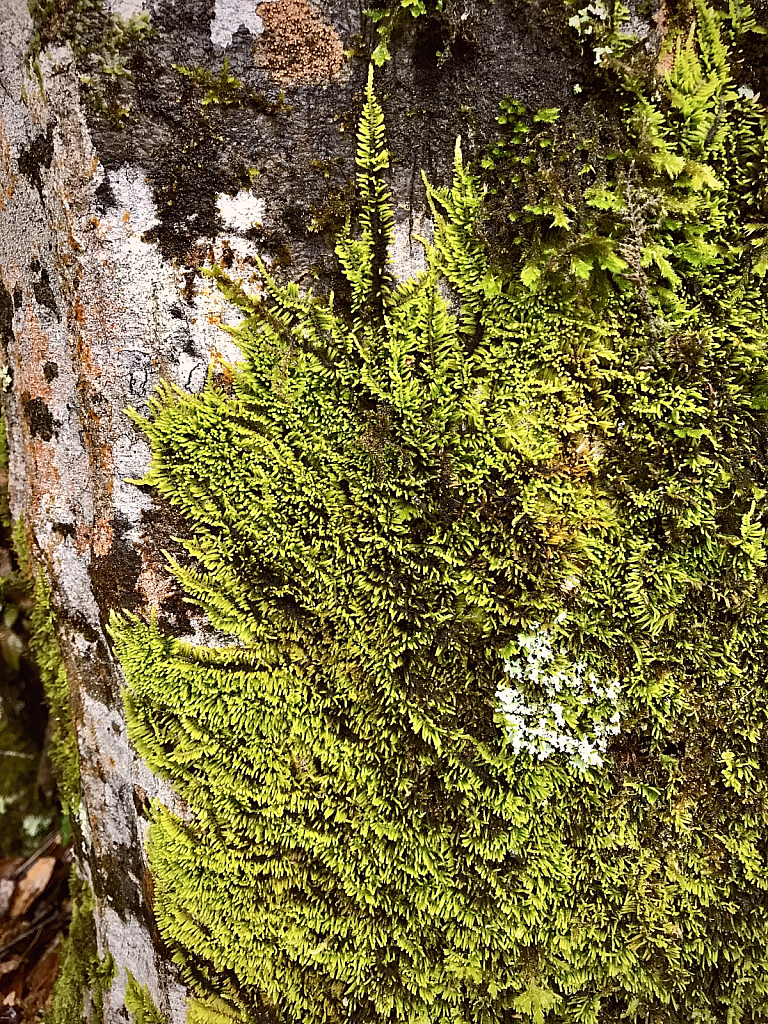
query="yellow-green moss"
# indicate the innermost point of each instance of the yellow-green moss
(139, 1002)
(404, 488)
(45, 650)
(26, 814)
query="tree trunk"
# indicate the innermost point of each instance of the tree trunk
(128, 166)
(149, 157)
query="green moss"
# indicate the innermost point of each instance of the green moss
(488, 738)
(83, 975)
(45, 651)
(25, 813)
(226, 90)
(105, 40)
(443, 26)
(5, 514)
(390, 16)
(140, 1004)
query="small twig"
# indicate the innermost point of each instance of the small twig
(35, 928)
(16, 753)
(47, 844)
(31, 946)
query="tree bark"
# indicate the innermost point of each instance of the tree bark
(113, 198)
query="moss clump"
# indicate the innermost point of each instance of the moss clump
(444, 27)
(390, 16)
(25, 813)
(102, 43)
(139, 1002)
(5, 514)
(489, 739)
(46, 653)
(83, 976)
(226, 90)
(45, 650)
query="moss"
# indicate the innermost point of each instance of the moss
(298, 47)
(444, 28)
(454, 529)
(226, 90)
(140, 1004)
(102, 43)
(47, 654)
(83, 975)
(44, 647)
(5, 513)
(26, 813)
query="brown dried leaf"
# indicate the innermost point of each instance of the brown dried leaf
(32, 885)
(41, 978)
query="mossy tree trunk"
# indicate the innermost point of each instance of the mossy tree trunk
(138, 147)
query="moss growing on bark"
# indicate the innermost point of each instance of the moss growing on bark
(83, 976)
(102, 43)
(26, 814)
(139, 1002)
(488, 740)
(45, 650)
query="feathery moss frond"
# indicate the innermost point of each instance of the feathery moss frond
(389, 504)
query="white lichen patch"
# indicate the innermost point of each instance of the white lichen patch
(133, 197)
(160, 315)
(126, 9)
(230, 16)
(554, 705)
(240, 212)
(128, 944)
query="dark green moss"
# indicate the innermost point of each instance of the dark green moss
(226, 90)
(27, 808)
(45, 651)
(83, 975)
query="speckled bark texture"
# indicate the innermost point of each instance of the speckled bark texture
(116, 190)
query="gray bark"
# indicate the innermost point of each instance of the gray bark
(103, 232)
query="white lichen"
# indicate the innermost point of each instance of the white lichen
(240, 212)
(232, 15)
(553, 705)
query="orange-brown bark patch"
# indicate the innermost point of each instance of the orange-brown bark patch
(298, 47)
(7, 176)
(45, 477)
(154, 584)
(36, 343)
(97, 537)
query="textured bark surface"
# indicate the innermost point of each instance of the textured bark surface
(103, 233)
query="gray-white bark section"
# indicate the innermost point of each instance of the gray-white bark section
(90, 334)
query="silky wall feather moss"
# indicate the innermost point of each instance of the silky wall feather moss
(448, 522)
